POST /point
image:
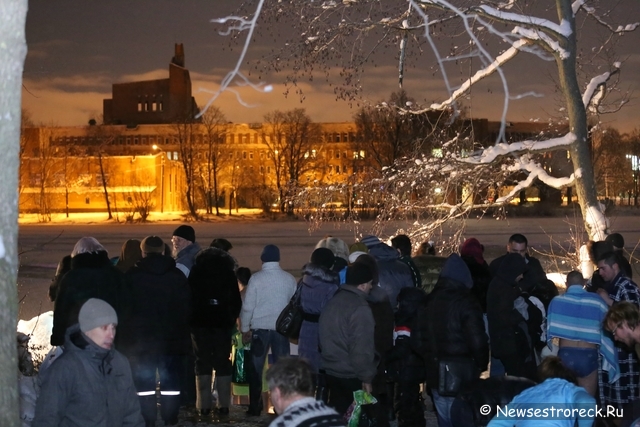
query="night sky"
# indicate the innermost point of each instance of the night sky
(77, 49)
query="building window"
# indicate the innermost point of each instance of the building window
(313, 154)
(362, 154)
(337, 154)
(337, 137)
(139, 106)
(160, 106)
(154, 106)
(244, 155)
(261, 169)
(337, 169)
(251, 155)
(87, 200)
(128, 141)
(268, 169)
(175, 155)
(129, 199)
(231, 155)
(135, 141)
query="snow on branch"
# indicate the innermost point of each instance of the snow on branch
(594, 91)
(535, 171)
(562, 30)
(481, 74)
(490, 154)
(550, 43)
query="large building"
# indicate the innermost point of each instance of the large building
(149, 148)
(153, 101)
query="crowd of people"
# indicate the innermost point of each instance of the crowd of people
(375, 318)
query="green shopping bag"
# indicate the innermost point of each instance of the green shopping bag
(361, 413)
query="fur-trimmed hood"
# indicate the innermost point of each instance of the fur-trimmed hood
(320, 274)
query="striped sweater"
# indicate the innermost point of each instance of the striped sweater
(577, 315)
(308, 412)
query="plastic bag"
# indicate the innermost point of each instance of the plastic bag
(356, 416)
(239, 373)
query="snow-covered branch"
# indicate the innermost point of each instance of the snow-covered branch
(594, 91)
(560, 31)
(490, 154)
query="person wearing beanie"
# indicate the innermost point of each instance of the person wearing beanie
(346, 336)
(216, 304)
(157, 334)
(90, 384)
(185, 248)
(450, 325)
(91, 276)
(267, 294)
(341, 252)
(319, 284)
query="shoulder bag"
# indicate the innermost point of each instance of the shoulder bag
(290, 319)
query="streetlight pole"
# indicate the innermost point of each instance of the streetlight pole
(635, 168)
(155, 147)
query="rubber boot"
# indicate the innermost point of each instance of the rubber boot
(149, 408)
(223, 386)
(203, 394)
(169, 408)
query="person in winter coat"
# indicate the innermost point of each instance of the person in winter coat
(378, 301)
(185, 248)
(91, 276)
(402, 243)
(129, 255)
(216, 304)
(451, 325)
(157, 334)
(471, 252)
(319, 283)
(90, 384)
(393, 273)
(346, 339)
(268, 293)
(508, 341)
(404, 365)
(533, 274)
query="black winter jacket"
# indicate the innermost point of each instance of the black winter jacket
(215, 294)
(481, 279)
(503, 318)
(455, 318)
(160, 308)
(91, 276)
(393, 273)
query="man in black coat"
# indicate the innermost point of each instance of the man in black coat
(450, 325)
(509, 343)
(534, 275)
(91, 276)
(157, 332)
(216, 305)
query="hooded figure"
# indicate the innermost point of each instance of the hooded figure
(393, 273)
(471, 252)
(319, 284)
(450, 325)
(508, 342)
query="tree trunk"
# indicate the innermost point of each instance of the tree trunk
(104, 185)
(13, 49)
(215, 192)
(592, 214)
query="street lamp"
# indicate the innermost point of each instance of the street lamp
(635, 168)
(155, 147)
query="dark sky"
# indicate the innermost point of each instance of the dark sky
(77, 49)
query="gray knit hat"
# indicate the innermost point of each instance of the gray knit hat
(95, 313)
